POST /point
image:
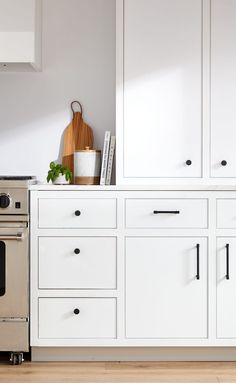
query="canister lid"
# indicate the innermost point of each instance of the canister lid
(87, 149)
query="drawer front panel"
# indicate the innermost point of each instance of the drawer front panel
(226, 213)
(96, 318)
(77, 213)
(166, 213)
(77, 262)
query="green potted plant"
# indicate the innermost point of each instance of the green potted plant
(59, 174)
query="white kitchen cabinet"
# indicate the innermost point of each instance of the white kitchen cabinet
(159, 90)
(134, 283)
(74, 280)
(166, 287)
(20, 34)
(176, 91)
(223, 88)
(226, 287)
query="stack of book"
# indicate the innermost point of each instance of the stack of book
(107, 158)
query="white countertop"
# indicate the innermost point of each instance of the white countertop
(48, 187)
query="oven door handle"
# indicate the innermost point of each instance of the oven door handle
(11, 237)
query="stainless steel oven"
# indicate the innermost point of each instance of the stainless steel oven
(14, 267)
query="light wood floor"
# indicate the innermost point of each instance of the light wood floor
(217, 372)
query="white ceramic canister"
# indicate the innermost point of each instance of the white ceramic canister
(87, 166)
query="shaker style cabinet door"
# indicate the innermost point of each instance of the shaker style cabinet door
(20, 35)
(166, 287)
(162, 124)
(226, 287)
(223, 88)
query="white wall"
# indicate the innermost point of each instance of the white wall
(78, 63)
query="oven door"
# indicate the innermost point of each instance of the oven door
(14, 265)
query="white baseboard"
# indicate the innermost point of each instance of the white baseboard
(84, 354)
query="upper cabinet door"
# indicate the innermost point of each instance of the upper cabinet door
(20, 35)
(223, 88)
(160, 133)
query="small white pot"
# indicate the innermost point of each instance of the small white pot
(61, 180)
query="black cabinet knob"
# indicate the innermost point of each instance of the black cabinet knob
(188, 162)
(223, 163)
(77, 213)
(77, 251)
(76, 311)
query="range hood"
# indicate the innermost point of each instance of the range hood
(20, 35)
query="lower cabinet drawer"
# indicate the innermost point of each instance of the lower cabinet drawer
(167, 213)
(77, 262)
(77, 213)
(82, 318)
(226, 213)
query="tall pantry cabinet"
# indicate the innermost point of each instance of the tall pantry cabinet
(176, 91)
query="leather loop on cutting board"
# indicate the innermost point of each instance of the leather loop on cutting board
(72, 107)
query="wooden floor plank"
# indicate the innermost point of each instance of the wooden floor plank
(158, 372)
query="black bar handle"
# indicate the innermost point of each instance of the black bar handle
(227, 261)
(198, 262)
(166, 212)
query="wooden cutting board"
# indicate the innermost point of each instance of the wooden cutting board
(77, 136)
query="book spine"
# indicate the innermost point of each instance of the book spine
(110, 160)
(105, 157)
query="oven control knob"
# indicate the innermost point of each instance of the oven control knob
(4, 201)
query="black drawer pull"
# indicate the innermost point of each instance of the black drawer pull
(166, 212)
(77, 213)
(77, 251)
(227, 261)
(198, 262)
(223, 163)
(76, 311)
(188, 162)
